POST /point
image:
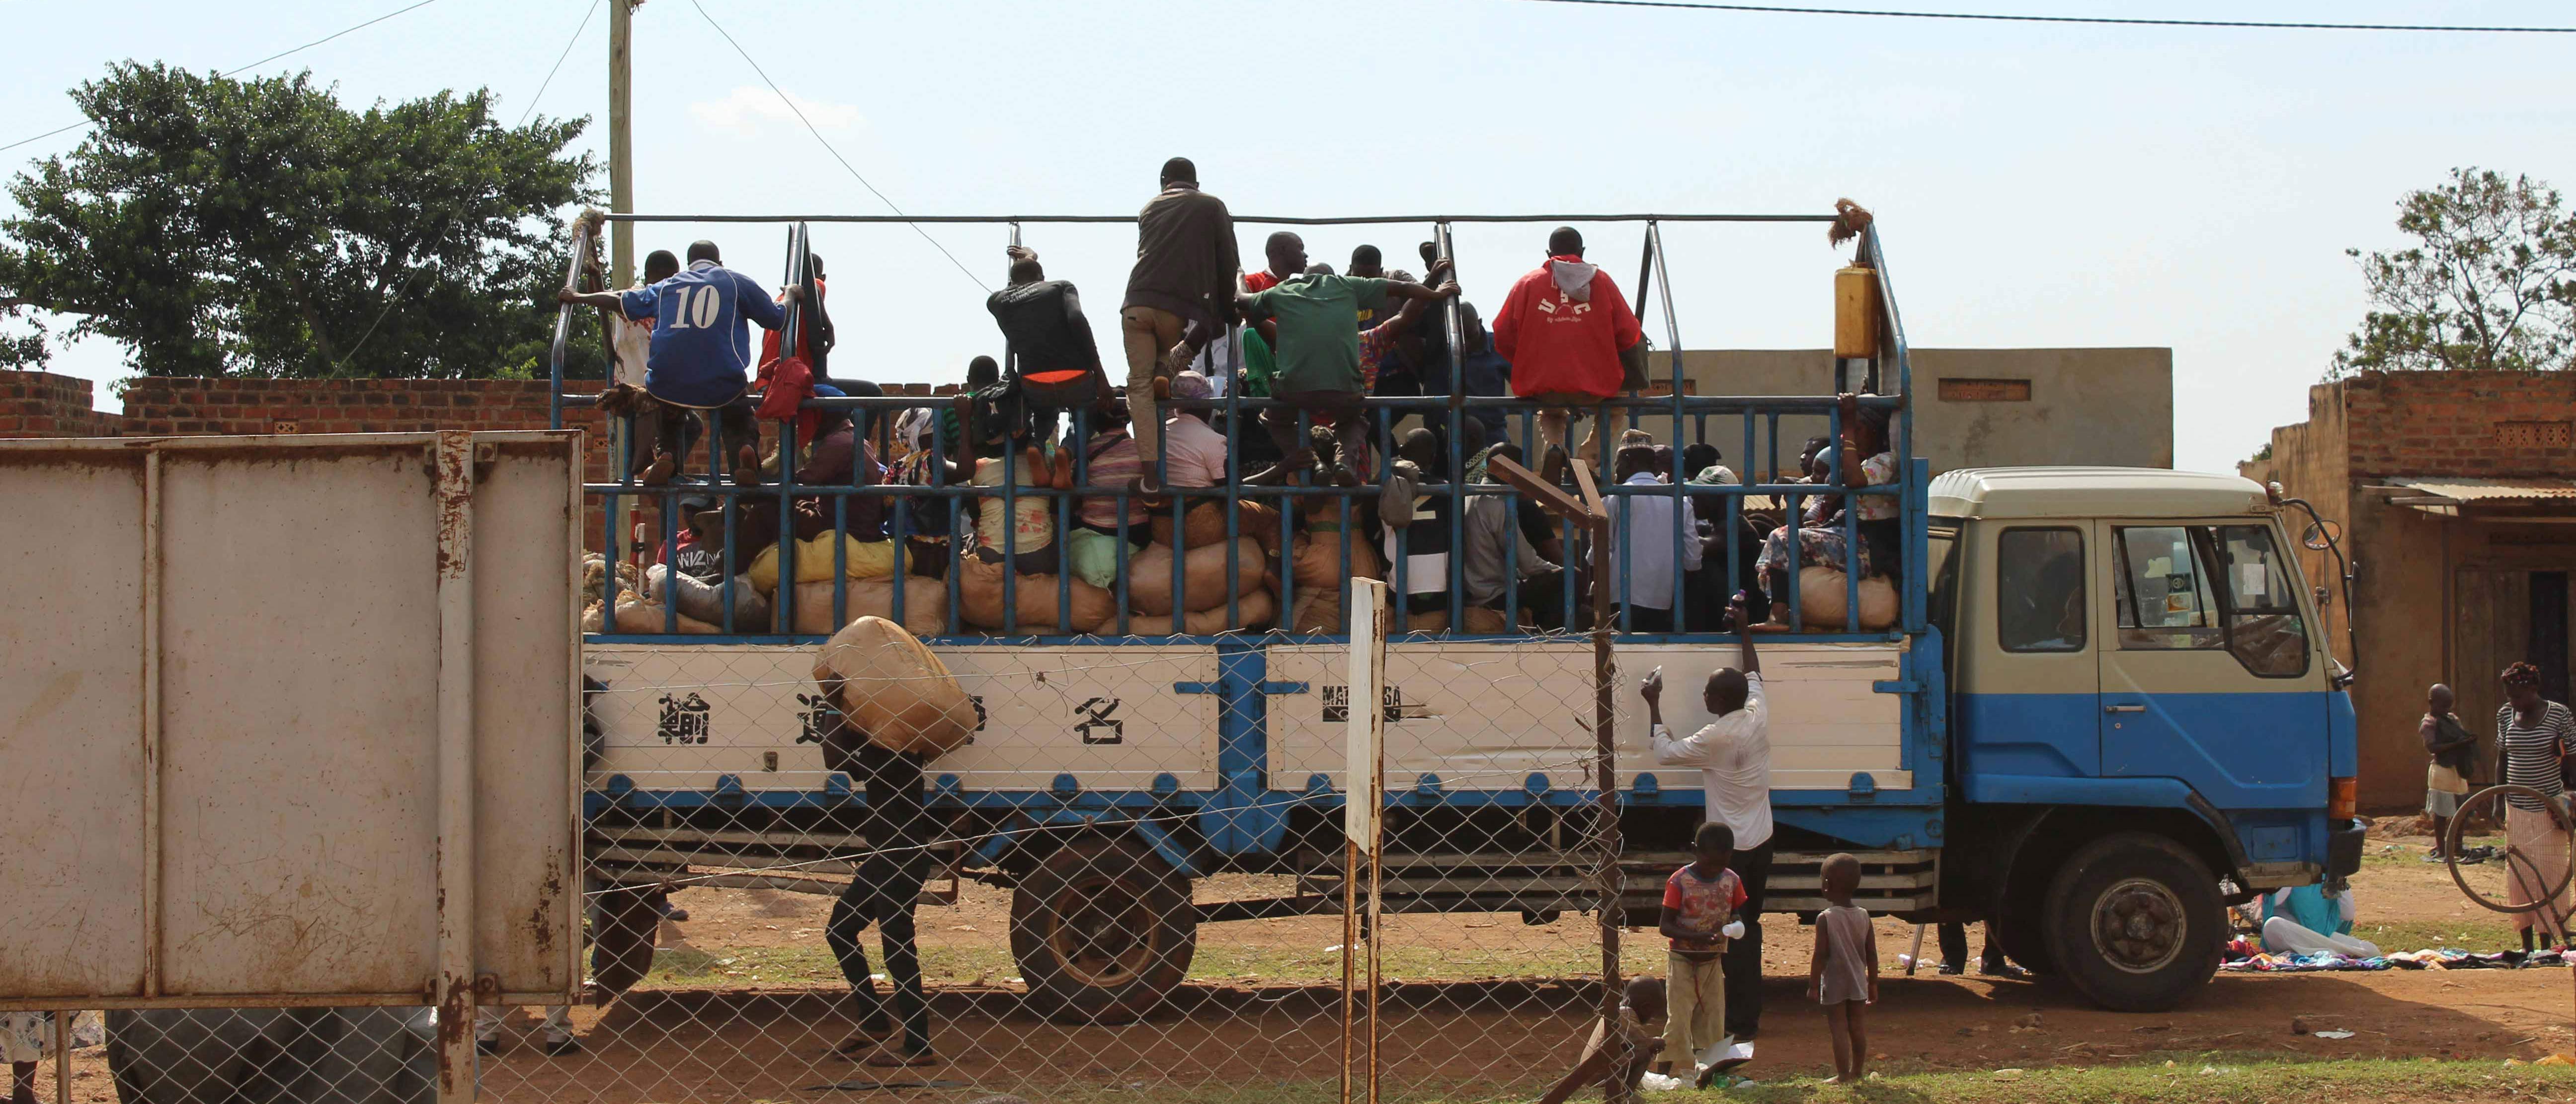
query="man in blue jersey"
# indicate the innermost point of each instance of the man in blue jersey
(700, 353)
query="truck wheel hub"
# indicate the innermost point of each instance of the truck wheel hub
(2138, 925)
(1100, 931)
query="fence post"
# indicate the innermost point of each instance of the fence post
(1363, 794)
(454, 987)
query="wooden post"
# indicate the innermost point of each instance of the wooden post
(621, 143)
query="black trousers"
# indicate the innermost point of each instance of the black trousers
(888, 885)
(1744, 956)
(1954, 948)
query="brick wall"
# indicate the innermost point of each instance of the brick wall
(2495, 424)
(42, 404)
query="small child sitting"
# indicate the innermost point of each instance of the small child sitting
(1628, 1054)
(1700, 900)
(1842, 973)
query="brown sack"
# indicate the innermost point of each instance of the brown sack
(638, 617)
(1253, 611)
(925, 604)
(979, 601)
(1316, 568)
(1822, 597)
(1204, 524)
(894, 689)
(1149, 576)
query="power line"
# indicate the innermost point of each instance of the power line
(2101, 20)
(253, 65)
(784, 98)
(559, 60)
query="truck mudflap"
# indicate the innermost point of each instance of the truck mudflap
(2343, 848)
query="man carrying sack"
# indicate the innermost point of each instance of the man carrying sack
(895, 707)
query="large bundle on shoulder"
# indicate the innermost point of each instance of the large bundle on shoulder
(894, 689)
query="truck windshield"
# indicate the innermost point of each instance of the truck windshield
(2211, 588)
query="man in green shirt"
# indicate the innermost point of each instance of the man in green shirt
(1317, 349)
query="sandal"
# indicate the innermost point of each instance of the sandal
(659, 473)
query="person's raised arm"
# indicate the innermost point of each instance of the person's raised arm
(1446, 289)
(1751, 663)
(1651, 688)
(604, 300)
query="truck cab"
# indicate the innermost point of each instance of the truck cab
(2146, 723)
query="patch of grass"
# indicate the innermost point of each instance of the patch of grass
(2486, 932)
(2231, 1079)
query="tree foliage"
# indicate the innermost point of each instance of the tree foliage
(2490, 284)
(258, 227)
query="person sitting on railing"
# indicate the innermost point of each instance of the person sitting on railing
(1571, 341)
(1644, 579)
(700, 352)
(1184, 277)
(1316, 321)
(631, 340)
(1058, 361)
(1109, 460)
(1880, 524)
(1493, 527)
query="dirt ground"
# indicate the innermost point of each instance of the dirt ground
(747, 1004)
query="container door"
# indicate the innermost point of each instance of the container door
(2209, 676)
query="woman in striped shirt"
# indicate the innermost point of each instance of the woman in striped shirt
(2536, 735)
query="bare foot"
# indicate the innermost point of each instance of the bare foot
(664, 466)
(746, 467)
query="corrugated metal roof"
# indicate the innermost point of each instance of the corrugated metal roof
(2488, 490)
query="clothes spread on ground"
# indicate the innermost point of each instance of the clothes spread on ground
(2247, 956)
(1733, 754)
(1185, 256)
(1559, 343)
(701, 346)
(1319, 343)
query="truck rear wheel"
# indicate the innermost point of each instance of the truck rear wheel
(2133, 922)
(1103, 931)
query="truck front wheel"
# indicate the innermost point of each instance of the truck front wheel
(2133, 921)
(1103, 931)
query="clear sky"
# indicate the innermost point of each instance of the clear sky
(2036, 185)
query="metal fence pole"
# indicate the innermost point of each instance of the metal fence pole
(1363, 780)
(455, 865)
(1606, 777)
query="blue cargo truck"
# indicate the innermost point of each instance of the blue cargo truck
(2101, 707)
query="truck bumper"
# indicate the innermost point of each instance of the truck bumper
(2343, 849)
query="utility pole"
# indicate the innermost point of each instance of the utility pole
(621, 143)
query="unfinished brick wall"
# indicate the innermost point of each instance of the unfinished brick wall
(2494, 424)
(42, 404)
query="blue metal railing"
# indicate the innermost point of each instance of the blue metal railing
(1757, 415)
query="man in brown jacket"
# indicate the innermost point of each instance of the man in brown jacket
(1180, 294)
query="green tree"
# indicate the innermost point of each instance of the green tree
(2490, 284)
(258, 227)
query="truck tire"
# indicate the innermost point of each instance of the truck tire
(1103, 931)
(2132, 922)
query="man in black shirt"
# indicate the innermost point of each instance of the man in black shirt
(884, 893)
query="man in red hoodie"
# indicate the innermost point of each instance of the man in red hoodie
(1571, 340)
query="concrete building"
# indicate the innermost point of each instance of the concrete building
(2456, 494)
(1977, 408)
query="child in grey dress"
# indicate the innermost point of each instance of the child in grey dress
(1842, 974)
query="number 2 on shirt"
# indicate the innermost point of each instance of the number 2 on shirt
(698, 307)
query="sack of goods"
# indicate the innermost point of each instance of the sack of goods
(1149, 576)
(893, 689)
(925, 604)
(1823, 597)
(1321, 578)
(980, 601)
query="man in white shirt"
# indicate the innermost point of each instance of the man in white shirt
(1643, 579)
(1733, 754)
